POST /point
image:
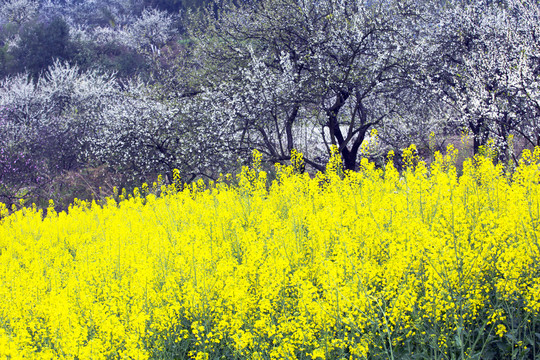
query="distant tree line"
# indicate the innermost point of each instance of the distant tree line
(100, 34)
(143, 87)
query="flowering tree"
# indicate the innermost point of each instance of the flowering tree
(279, 66)
(50, 122)
(144, 134)
(482, 60)
(69, 120)
(18, 169)
(526, 68)
(152, 30)
(18, 11)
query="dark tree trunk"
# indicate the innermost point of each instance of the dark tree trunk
(349, 155)
(288, 128)
(350, 161)
(479, 135)
(332, 113)
(476, 144)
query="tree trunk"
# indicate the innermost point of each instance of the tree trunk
(288, 128)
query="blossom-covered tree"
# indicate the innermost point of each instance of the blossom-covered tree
(71, 119)
(482, 59)
(49, 122)
(279, 66)
(18, 11)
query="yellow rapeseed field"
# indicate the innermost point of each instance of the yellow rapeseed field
(376, 264)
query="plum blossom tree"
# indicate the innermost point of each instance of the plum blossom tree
(152, 30)
(70, 120)
(482, 59)
(49, 122)
(18, 11)
(525, 68)
(279, 66)
(128, 47)
(142, 135)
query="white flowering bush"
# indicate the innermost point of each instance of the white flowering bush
(18, 11)
(51, 121)
(152, 30)
(142, 135)
(70, 120)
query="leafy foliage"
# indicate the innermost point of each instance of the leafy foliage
(40, 43)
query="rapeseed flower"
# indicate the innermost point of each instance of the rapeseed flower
(367, 264)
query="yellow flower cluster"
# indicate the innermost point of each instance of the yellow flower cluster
(340, 265)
